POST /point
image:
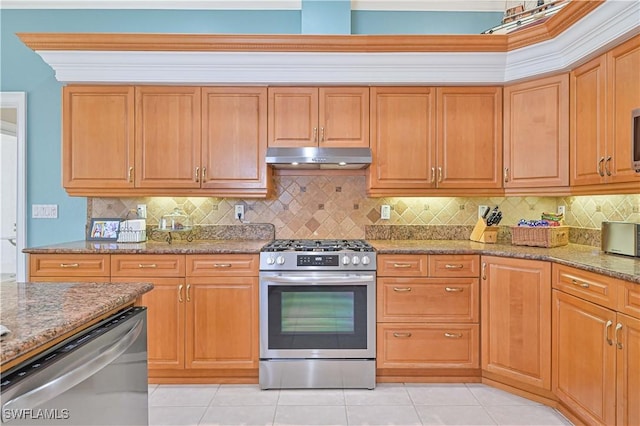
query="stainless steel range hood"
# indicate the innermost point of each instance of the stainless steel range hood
(319, 158)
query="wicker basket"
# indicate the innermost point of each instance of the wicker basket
(551, 236)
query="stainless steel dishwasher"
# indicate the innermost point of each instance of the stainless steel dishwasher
(97, 377)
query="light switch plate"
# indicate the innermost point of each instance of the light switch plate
(44, 211)
(385, 212)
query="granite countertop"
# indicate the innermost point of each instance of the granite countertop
(154, 247)
(580, 256)
(37, 313)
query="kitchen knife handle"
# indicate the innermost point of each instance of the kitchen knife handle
(599, 166)
(506, 174)
(130, 175)
(606, 166)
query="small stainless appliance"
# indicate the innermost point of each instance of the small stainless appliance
(97, 377)
(621, 238)
(317, 314)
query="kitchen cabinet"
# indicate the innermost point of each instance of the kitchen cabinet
(168, 148)
(69, 267)
(97, 138)
(324, 117)
(596, 346)
(603, 93)
(234, 140)
(536, 134)
(423, 138)
(165, 140)
(516, 321)
(427, 325)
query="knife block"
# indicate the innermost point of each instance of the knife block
(483, 233)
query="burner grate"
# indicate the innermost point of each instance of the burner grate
(318, 245)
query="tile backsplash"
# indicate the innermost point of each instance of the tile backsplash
(337, 207)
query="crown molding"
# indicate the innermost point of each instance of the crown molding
(247, 59)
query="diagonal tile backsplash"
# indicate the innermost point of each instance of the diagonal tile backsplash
(337, 207)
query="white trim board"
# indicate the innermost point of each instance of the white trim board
(607, 25)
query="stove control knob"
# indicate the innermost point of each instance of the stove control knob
(366, 260)
(280, 260)
(346, 260)
(355, 260)
(271, 260)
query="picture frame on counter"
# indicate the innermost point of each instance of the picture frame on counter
(104, 229)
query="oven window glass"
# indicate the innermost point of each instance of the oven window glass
(318, 317)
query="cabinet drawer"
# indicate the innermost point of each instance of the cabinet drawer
(629, 299)
(237, 265)
(595, 288)
(428, 346)
(428, 299)
(462, 265)
(402, 265)
(70, 265)
(152, 265)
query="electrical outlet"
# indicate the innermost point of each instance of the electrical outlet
(239, 212)
(481, 210)
(385, 212)
(44, 211)
(142, 211)
(562, 210)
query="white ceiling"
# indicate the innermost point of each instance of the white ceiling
(393, 5)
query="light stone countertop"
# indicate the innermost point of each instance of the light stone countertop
(37, 313)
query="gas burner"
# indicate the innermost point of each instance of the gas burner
(317, 245)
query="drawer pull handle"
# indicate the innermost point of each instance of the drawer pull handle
(69, 265)
(576, 282)
(606, 332)
(456, 266)
(453, 335)
(599, 166)
(222, 265)
(484, 270)
(618, 341)
(433, 175)
(402, 265)
(180, 293)
(402, 335)
(401, 289)
(453, 289)
(130, 175)
(147, 265)
(188, 292)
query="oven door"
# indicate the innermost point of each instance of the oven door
(317, 315)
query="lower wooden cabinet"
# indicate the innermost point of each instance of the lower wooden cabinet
(516, 320)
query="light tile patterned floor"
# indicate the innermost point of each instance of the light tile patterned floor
(388, 404)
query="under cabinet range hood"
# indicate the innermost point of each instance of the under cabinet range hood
(319, 158)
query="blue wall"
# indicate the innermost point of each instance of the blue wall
(21, 69)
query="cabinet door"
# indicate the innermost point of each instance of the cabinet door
(402, 138)
(70, 266)
(343, 117)
(167, 137)
(628, 368)
(234, 138)
(469, 150)
(516, 319)
(624, 95)
(584, 364)
(293, 116)
(97, 137)
(536, 133)
(165, 321)
(222, 322)
(587, 122)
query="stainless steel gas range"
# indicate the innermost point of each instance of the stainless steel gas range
(317, 314)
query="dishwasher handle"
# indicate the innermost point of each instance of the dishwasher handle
(47, 391)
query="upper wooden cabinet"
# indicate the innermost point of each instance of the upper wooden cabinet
(424, 138)
(165, 140)
(324, 117)
(234, 139)
(167, 137)
(536, 134)
(97, 137)
(603, 93)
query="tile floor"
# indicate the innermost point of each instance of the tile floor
(388, 404)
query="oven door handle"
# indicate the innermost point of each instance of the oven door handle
(327, 279)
